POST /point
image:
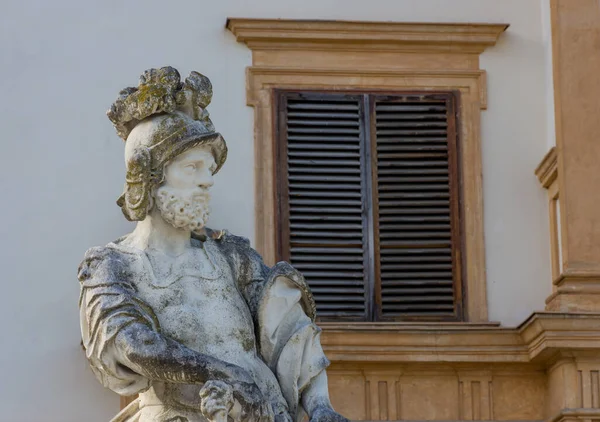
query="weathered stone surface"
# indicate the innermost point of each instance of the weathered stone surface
(191, 318)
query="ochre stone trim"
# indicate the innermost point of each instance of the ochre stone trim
(547, 174)
(371, 56)
(580, 414)
(575, 59)
(547, 170)
(536, 341)
(546, 334)
(255, 73)
(354, 36)
(575, 289)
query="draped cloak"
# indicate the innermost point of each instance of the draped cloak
(278, 299)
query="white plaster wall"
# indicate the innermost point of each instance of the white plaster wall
(63, 63)
(547, 40)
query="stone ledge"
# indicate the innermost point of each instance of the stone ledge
(351, 35)
(537, 340)
(579, 414)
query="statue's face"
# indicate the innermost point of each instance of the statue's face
(192, 169)
(183, 197)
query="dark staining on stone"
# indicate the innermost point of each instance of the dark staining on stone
(168, 301)
(324, 362)
(177, 419)
(245, 338)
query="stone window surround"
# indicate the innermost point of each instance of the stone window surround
(372, 56)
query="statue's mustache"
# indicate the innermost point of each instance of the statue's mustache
(200, 193)
(194, 194)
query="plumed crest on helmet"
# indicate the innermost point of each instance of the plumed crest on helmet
(161, 91)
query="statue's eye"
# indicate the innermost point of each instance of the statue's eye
(190, 167)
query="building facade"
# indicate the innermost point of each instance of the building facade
(430, 166)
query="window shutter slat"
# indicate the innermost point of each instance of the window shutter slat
(324, 200)
(414, 206)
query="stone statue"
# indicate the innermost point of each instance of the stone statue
(191, 318)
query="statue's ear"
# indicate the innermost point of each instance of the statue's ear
(134, 201)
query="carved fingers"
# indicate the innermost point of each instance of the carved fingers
(241, 401)
(216, 400)
(254, 407)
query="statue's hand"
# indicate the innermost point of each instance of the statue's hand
(254, 406)
(237, 396)
(326, 414)
(216, 400)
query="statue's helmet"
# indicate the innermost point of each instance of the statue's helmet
(159, 120)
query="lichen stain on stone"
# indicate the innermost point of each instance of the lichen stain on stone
(245, 339)
(146, 92)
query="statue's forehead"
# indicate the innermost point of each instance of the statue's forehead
(197, 153)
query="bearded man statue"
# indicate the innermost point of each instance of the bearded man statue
(189, 318)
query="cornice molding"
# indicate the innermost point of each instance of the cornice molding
(536, 341)
(351, 35)
(587, 279)
(548, 333)
(547, 170)
(579, 414)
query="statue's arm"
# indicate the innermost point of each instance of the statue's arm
(160, 358)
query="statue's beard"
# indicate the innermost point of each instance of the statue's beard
(183, 209)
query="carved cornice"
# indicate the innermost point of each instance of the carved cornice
(547, 333)
(577, 414)
(536, 341)
(348, 35)
(546, 171)
(580, 280)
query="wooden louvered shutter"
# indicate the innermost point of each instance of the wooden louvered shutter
(417, 195)
(321, 198)
(367, 188)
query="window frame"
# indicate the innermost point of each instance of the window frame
(372, 279)
(392, 56)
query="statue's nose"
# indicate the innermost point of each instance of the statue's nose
(206, 183)
(205, 180)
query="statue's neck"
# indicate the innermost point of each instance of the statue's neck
(155, 233)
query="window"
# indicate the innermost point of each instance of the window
(371, 57)
(368, 202)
